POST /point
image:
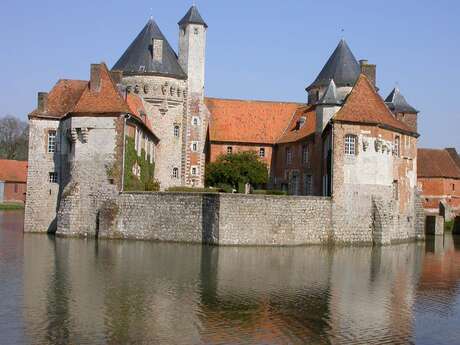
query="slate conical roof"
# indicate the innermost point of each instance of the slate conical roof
(342, 66)
(398, 104)
(192, 17)
(330, 96)
(138, 58)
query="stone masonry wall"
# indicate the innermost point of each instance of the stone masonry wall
(42, 195)
(225, 219)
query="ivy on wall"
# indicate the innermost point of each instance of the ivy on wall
(144, 180)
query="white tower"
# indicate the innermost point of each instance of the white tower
(192, 46)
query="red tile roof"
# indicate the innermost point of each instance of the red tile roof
(295, 133)
(75, 96)
(105, 100)
(13, 171)
(244, 121)
(436, 163)
(364, 105)
(137, 109)
(62, 98)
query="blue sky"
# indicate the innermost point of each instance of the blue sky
(256, 49)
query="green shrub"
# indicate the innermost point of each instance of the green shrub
(192, 190)
(449, 226)
(9, 206)
(269, 192)
(146, 182)
(236, 170)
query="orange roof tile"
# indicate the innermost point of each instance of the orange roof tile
(248, 121)
(364, 105)
(62, 98)
(293, 132)
(436, 163)
(137, 109)
(105, 100)
(13, 171)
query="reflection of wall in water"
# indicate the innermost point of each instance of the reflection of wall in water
(141, 291)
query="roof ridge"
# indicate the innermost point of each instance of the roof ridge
(256, 100)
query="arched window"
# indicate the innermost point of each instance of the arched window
(350, 144)
(175, 172)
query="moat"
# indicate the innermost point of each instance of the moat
(74, 291)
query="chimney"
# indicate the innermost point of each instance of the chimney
(42, 101)
(95, 77)
(116, 76)
(369, 71)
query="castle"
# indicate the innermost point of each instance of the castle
(346, 142)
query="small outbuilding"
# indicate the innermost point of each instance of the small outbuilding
(13, 178)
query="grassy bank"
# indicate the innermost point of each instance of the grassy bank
(8, 206)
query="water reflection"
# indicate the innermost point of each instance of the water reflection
(84, 292)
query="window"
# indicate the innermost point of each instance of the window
(229, 150)
(175, 173)
(195, 121)
(194, 146)
(176, 131)
(15, 187)
(305, 154)
(288, 156)
(307, 181)
(262, 152)
(350, 145)
(453, 186)
(397, 142)
(395, 190)
(51, 141)
(53, 177)
(194, 171)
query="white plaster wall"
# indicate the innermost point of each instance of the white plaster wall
(370, 166)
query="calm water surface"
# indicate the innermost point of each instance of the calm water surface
(72, 291)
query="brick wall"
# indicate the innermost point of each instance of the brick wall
(14, 191)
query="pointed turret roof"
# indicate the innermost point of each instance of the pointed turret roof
(398, 104)
(341, 66)
(138, 58)
(330, 96)
(192, 16)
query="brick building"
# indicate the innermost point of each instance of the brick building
(13, 178)
(439, 181)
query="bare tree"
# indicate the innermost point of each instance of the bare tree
(14, 135)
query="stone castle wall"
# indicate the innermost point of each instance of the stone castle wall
(42, 195)
(165, 101)
(224, 219)
(235, 219)
(95, 151)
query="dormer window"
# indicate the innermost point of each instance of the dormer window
(157, 50)
(301, 122)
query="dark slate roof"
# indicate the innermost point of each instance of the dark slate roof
(342, 66)
(137, 59)
(192, 17)
(398, 104)
(330, 96)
